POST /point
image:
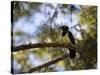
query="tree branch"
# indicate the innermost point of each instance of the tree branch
(39, 45)
(47, 64)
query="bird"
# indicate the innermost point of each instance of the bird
(65, 30)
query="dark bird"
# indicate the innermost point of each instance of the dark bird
(65, 30)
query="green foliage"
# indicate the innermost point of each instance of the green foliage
(88, 15)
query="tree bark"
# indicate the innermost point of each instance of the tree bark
(39, 45)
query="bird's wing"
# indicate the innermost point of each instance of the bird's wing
(71, 37)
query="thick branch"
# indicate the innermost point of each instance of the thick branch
(47, 64)
(38, 45)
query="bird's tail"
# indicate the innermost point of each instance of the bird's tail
(72, 53)
(72, 56)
